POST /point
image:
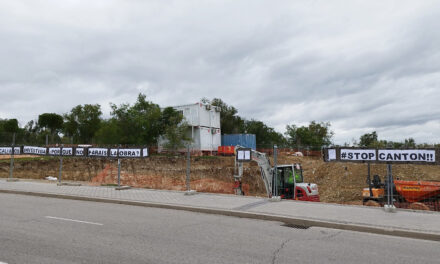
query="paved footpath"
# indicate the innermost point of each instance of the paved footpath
(406, 223)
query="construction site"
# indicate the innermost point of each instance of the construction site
(340, 182)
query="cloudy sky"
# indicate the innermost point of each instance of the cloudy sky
(363, 66)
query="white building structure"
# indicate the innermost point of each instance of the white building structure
(204, 126)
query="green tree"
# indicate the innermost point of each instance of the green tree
(266, 136)
(109, 132)
(7, 128)
(230, 122)
(138, 124)
(51, 122)
(315, 135)
(11, 125)
(175, 129)
(369, 140)
(410, 143)
(83, 122)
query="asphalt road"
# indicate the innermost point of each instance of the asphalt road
(48, 230)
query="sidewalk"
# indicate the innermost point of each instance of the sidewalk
(424, 225)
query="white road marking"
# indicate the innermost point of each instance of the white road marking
(72, 220)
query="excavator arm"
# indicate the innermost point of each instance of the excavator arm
(265, 168)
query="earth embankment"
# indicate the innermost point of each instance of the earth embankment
(338, 182)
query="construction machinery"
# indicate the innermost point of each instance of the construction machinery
(288, 183)
(424, 195)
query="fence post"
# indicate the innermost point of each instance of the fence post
(188, 169)
(119, 172)
(61, 164)
(188, 172)
(11, 166)
(275, 160)
(389, 207)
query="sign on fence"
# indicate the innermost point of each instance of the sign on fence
(34, 150)
(419, 156)
(8, 150)
(98, 152)
(63, 151)
(78, 152)
(244, 154)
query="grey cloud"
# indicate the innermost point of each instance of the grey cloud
(361, 66)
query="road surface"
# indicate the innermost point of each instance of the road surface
(48, 230)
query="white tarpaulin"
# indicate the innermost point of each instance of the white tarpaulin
(407, 155)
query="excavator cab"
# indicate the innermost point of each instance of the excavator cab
(287, 178)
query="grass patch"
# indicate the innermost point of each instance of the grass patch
(109, 184)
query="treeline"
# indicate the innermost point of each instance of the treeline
(143, 122)
(139, 124)
(313, 136)
(371, 140)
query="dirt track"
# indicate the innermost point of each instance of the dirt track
(338, 182)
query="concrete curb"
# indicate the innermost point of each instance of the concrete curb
(259, 216)
(69, 184)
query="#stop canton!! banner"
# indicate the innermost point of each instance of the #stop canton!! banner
(420, 156)
(358, 154)
(407, 155)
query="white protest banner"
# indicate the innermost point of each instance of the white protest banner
(79, 152)
(114, 153)
(331, 154)
(407, 155)
(129, 153)
(358, 155)
(54, 151)
(98, 152)
(8, 150)
(67, 151)
(244, 154)
(34, 150)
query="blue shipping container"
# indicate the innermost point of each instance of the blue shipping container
(245, 140)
